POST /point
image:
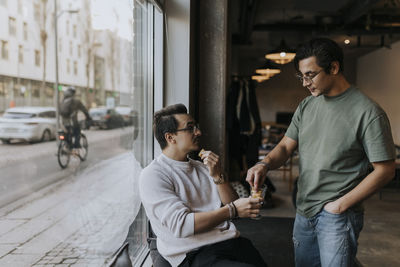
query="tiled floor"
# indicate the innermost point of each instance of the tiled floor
(379, 242)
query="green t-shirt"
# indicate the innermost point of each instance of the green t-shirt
(337, 138)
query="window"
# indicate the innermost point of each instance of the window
(128, 82)
(37, 58)
(47, 114)
(3, 3)
(68, 67)
(25, 29)
(4, 49)
(74, 31)
(75, 68)
(20, 54)
(19, 6)
(12, 27)
(36, 12)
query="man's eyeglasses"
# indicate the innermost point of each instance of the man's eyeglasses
(308, 78)
(190, 128)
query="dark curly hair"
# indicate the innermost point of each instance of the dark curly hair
(325, 50)
(165, 122)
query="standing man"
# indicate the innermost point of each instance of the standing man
(190, 203)
(339, 131)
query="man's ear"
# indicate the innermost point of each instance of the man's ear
(335, 67)
(170, 138)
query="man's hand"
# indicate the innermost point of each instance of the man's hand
(247, 207)
(333, 207)
(256, 175)
(213, 164)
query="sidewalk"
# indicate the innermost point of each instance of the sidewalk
(80, 221)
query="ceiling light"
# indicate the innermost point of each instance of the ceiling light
(268, 69)
(260, 78)
(282, 54)
(347, 41)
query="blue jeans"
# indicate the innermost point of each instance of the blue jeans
(327, 239)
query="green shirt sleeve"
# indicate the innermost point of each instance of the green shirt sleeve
(378, 141)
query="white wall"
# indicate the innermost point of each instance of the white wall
(281, 93)
(378, 75)
(177, 43)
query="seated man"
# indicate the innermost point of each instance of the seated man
(190, 203)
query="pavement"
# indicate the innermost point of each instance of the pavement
(78, 221)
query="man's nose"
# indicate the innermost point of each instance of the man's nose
(197, 132)
(306, 82)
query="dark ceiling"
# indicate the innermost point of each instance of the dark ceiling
(368, 24)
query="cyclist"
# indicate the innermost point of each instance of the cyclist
(69, 112)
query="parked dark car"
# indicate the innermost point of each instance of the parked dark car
(106, 118)
(129, 115)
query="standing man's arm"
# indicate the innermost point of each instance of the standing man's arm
(276, 158)
(382, 174)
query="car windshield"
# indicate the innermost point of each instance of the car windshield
(18, 115)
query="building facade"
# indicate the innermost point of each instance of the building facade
(96, 62)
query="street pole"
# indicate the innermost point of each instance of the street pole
(56, 55)
(56, 16)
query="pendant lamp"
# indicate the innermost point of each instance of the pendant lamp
(282, 54)
(260, 78)
(268, 69)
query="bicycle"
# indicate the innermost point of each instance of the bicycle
(66, 147)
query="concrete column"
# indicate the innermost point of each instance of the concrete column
(211, 76)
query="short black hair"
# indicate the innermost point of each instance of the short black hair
(165, 122)
(325, 50)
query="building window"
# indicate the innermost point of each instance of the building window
(60, 44)
(74, 31)
(12, 27)
(36, 11)
(20, 54)
(37, 58)
(68, 67)
(4, 49)
(75, 68)
(67, 27)
(79, 51)
(70, 48)
(25, 29)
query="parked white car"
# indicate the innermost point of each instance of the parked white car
(28, 123)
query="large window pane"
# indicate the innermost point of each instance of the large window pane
(83, 213)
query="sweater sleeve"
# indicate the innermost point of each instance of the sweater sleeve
(162, 204)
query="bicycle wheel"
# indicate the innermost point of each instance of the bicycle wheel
(63, 154)
(83, 151)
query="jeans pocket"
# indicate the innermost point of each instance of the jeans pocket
(332, 222)
(333, 214)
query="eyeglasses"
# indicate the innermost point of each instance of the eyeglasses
(308, 78)
(190, 128)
